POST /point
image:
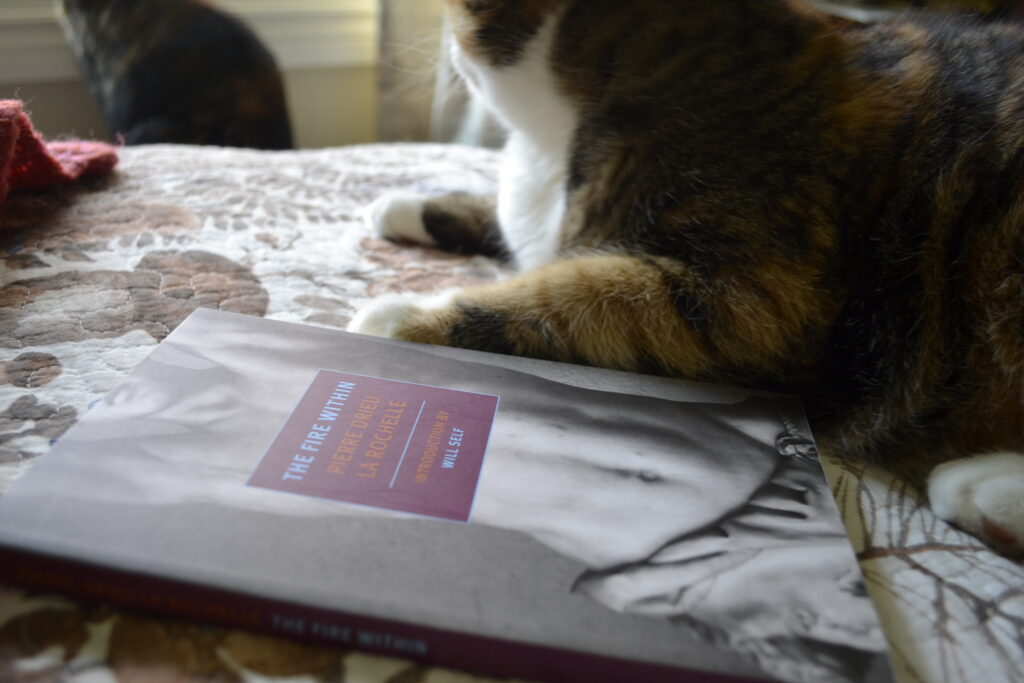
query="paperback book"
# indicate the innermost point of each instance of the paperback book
(502, 515)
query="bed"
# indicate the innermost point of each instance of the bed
(96, 273)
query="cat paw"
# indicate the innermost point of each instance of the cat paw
(398, 217)
(983, 495)
(390, 314)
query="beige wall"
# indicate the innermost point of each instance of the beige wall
(332, 107)
(59, 108)
(329, 107)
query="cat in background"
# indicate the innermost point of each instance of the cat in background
(755, 192)
(178, 71)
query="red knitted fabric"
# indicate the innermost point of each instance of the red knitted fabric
(28, 162)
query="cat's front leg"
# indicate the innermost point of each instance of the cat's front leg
(983, 495)
(457, 222)
(393, 315)
(617, 311)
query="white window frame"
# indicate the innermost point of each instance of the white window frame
(302, 34)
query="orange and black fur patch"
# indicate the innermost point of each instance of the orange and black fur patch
(768, 195)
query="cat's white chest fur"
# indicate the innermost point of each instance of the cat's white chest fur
(541, 121)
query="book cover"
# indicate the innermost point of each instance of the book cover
(504, 515)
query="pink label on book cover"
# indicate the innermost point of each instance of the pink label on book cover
(383, 443)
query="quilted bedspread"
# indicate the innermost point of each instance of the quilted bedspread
(93, 277)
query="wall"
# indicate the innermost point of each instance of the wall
(329, 107)
(328, 50)
(58, 108)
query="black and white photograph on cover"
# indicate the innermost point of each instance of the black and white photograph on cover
(711, 516)
(619, 514)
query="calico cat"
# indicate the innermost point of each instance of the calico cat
(177, 71)
(994, 7)
(755, 192)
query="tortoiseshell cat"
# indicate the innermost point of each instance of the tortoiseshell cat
(177, 71)
(755, 192)
(990, 7)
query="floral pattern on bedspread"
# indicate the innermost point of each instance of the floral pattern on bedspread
(91, 279)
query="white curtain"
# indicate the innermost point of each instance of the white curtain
(421, 98)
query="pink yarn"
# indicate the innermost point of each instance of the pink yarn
(28, 162)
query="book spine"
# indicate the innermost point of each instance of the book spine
(166, 597)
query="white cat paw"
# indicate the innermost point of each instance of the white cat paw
(398, 217)
(983, 495)
(387, 315)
